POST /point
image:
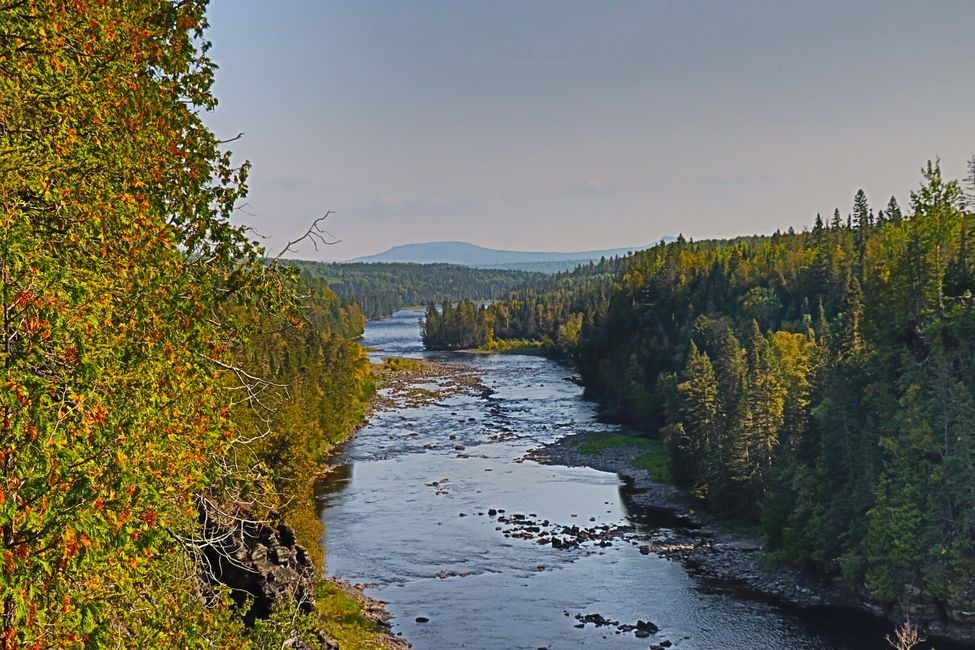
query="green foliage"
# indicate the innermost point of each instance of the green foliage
(344, 620)
(821, 383)
(382, 288)
(132, 308)
(518, 346)
(552, 310)
(116, 255)
(401, 364)
(464, 326)
(315, 385)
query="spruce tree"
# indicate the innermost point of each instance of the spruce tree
(937, 225)
(762, 417)
(851, 339)
(699, 412)
(893, 211)
(837, 221)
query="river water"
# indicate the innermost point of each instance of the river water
(433, 551)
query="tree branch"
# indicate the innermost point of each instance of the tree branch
(315, 233)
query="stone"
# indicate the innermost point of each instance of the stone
(647, 626)
(258, 561)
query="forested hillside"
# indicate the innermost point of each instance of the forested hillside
(822, 383)
(314, 387)
(154, 361)
(549, 309)
(382, 288)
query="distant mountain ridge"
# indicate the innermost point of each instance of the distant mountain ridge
(467, 254)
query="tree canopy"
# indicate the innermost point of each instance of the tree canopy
(818, 382)
(131, 310)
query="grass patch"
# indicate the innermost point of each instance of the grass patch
(516, 346)
(654, 459)
(423, 393)
(656, 462)
(343, 619)
(401, 364)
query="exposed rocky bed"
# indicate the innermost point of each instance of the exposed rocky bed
(589, 539)
(733, 559)
(423, 382)
(641, 629)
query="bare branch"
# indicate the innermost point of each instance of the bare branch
(236, 137)
(315, 233)
(906, 637)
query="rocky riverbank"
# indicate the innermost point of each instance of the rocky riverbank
(374, 611)
(267, 570)
(708, 551)
(407, 383)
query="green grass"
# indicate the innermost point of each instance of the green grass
(423, 393)
(516, 346)
(343, 619)
(657, 462)
(402, 364)
(655, 459)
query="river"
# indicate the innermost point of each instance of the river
(433, 552)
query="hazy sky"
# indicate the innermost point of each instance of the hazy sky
(559, 125)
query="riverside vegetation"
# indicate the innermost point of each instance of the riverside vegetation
(156, 361)
(819, 384)
(157, 364)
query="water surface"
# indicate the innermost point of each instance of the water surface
(432, 551)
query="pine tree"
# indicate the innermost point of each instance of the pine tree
(824, 332)
(861, 212)
(731, 368)
(968, 217)
(432, 328)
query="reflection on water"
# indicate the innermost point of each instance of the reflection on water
(408, 512)
(336, 480)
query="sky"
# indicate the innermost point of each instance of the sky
(564, 125)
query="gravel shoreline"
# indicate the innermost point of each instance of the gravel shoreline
(732, 559)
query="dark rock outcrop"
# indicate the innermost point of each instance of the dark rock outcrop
(260, 562)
